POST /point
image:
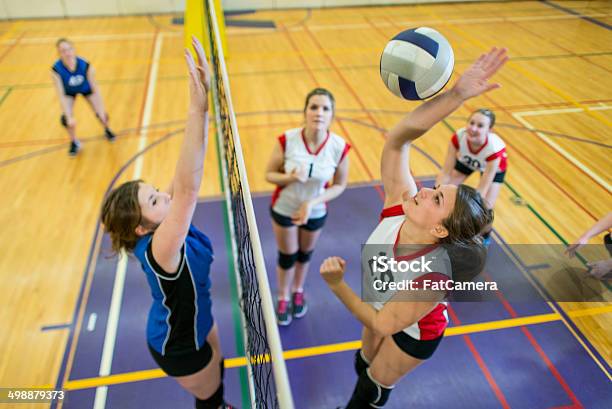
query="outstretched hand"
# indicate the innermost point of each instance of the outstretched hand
(199, 77)
(475, 80)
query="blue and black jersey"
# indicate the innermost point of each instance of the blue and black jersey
(181, 315)
(75, 82)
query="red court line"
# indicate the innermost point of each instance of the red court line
(344, 130)
(378, 29)
(61, 141)
(483, 367)
(537, 346)
(346, 83)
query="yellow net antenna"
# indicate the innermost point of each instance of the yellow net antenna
(195, 24)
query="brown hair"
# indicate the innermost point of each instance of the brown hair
(320, 91)
(488, 113)
(121, 215)
(465, 225)
(62, 40)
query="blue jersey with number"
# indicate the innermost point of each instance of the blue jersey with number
(75, 82)
(181, 315)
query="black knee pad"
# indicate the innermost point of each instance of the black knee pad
(368, 393)
(213, 402)
(360, 362)
(304, 257)
(286, 261)
(64, 121)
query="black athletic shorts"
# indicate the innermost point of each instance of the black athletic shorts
(419, 349)
(461, 168)
(185, 363)
(608, 243)
(312, 225)
(85, 94)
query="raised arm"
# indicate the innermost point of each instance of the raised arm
(169, 237)
(395, 170)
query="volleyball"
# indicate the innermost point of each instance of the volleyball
(417, 63)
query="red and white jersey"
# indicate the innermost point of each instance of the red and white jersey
(321, 166)
(476, 159)
(384, 241)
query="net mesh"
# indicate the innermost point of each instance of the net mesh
(257, 348)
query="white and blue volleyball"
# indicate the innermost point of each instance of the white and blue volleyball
(416, 64)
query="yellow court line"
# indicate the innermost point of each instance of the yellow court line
(335, 348)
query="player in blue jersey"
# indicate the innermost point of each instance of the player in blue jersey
(156, 227)
(72, 76)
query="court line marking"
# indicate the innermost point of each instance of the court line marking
(356, 26)
(54, 327)
(519, 117)
(5, 95)
(420, 22)
(327, 349)
(563, 110)
(120, 274)
(94, 37)
(576, 13)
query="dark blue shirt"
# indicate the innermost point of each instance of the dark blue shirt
(181, 315)
(75, 82)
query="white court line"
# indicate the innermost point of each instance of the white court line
(242, 31)
(93, 37)
(559, 149)
(115, 307)
(600, 107)
(91, 322)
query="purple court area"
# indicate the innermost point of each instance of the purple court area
(539, 366)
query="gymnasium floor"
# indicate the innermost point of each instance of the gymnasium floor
(553, 112)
